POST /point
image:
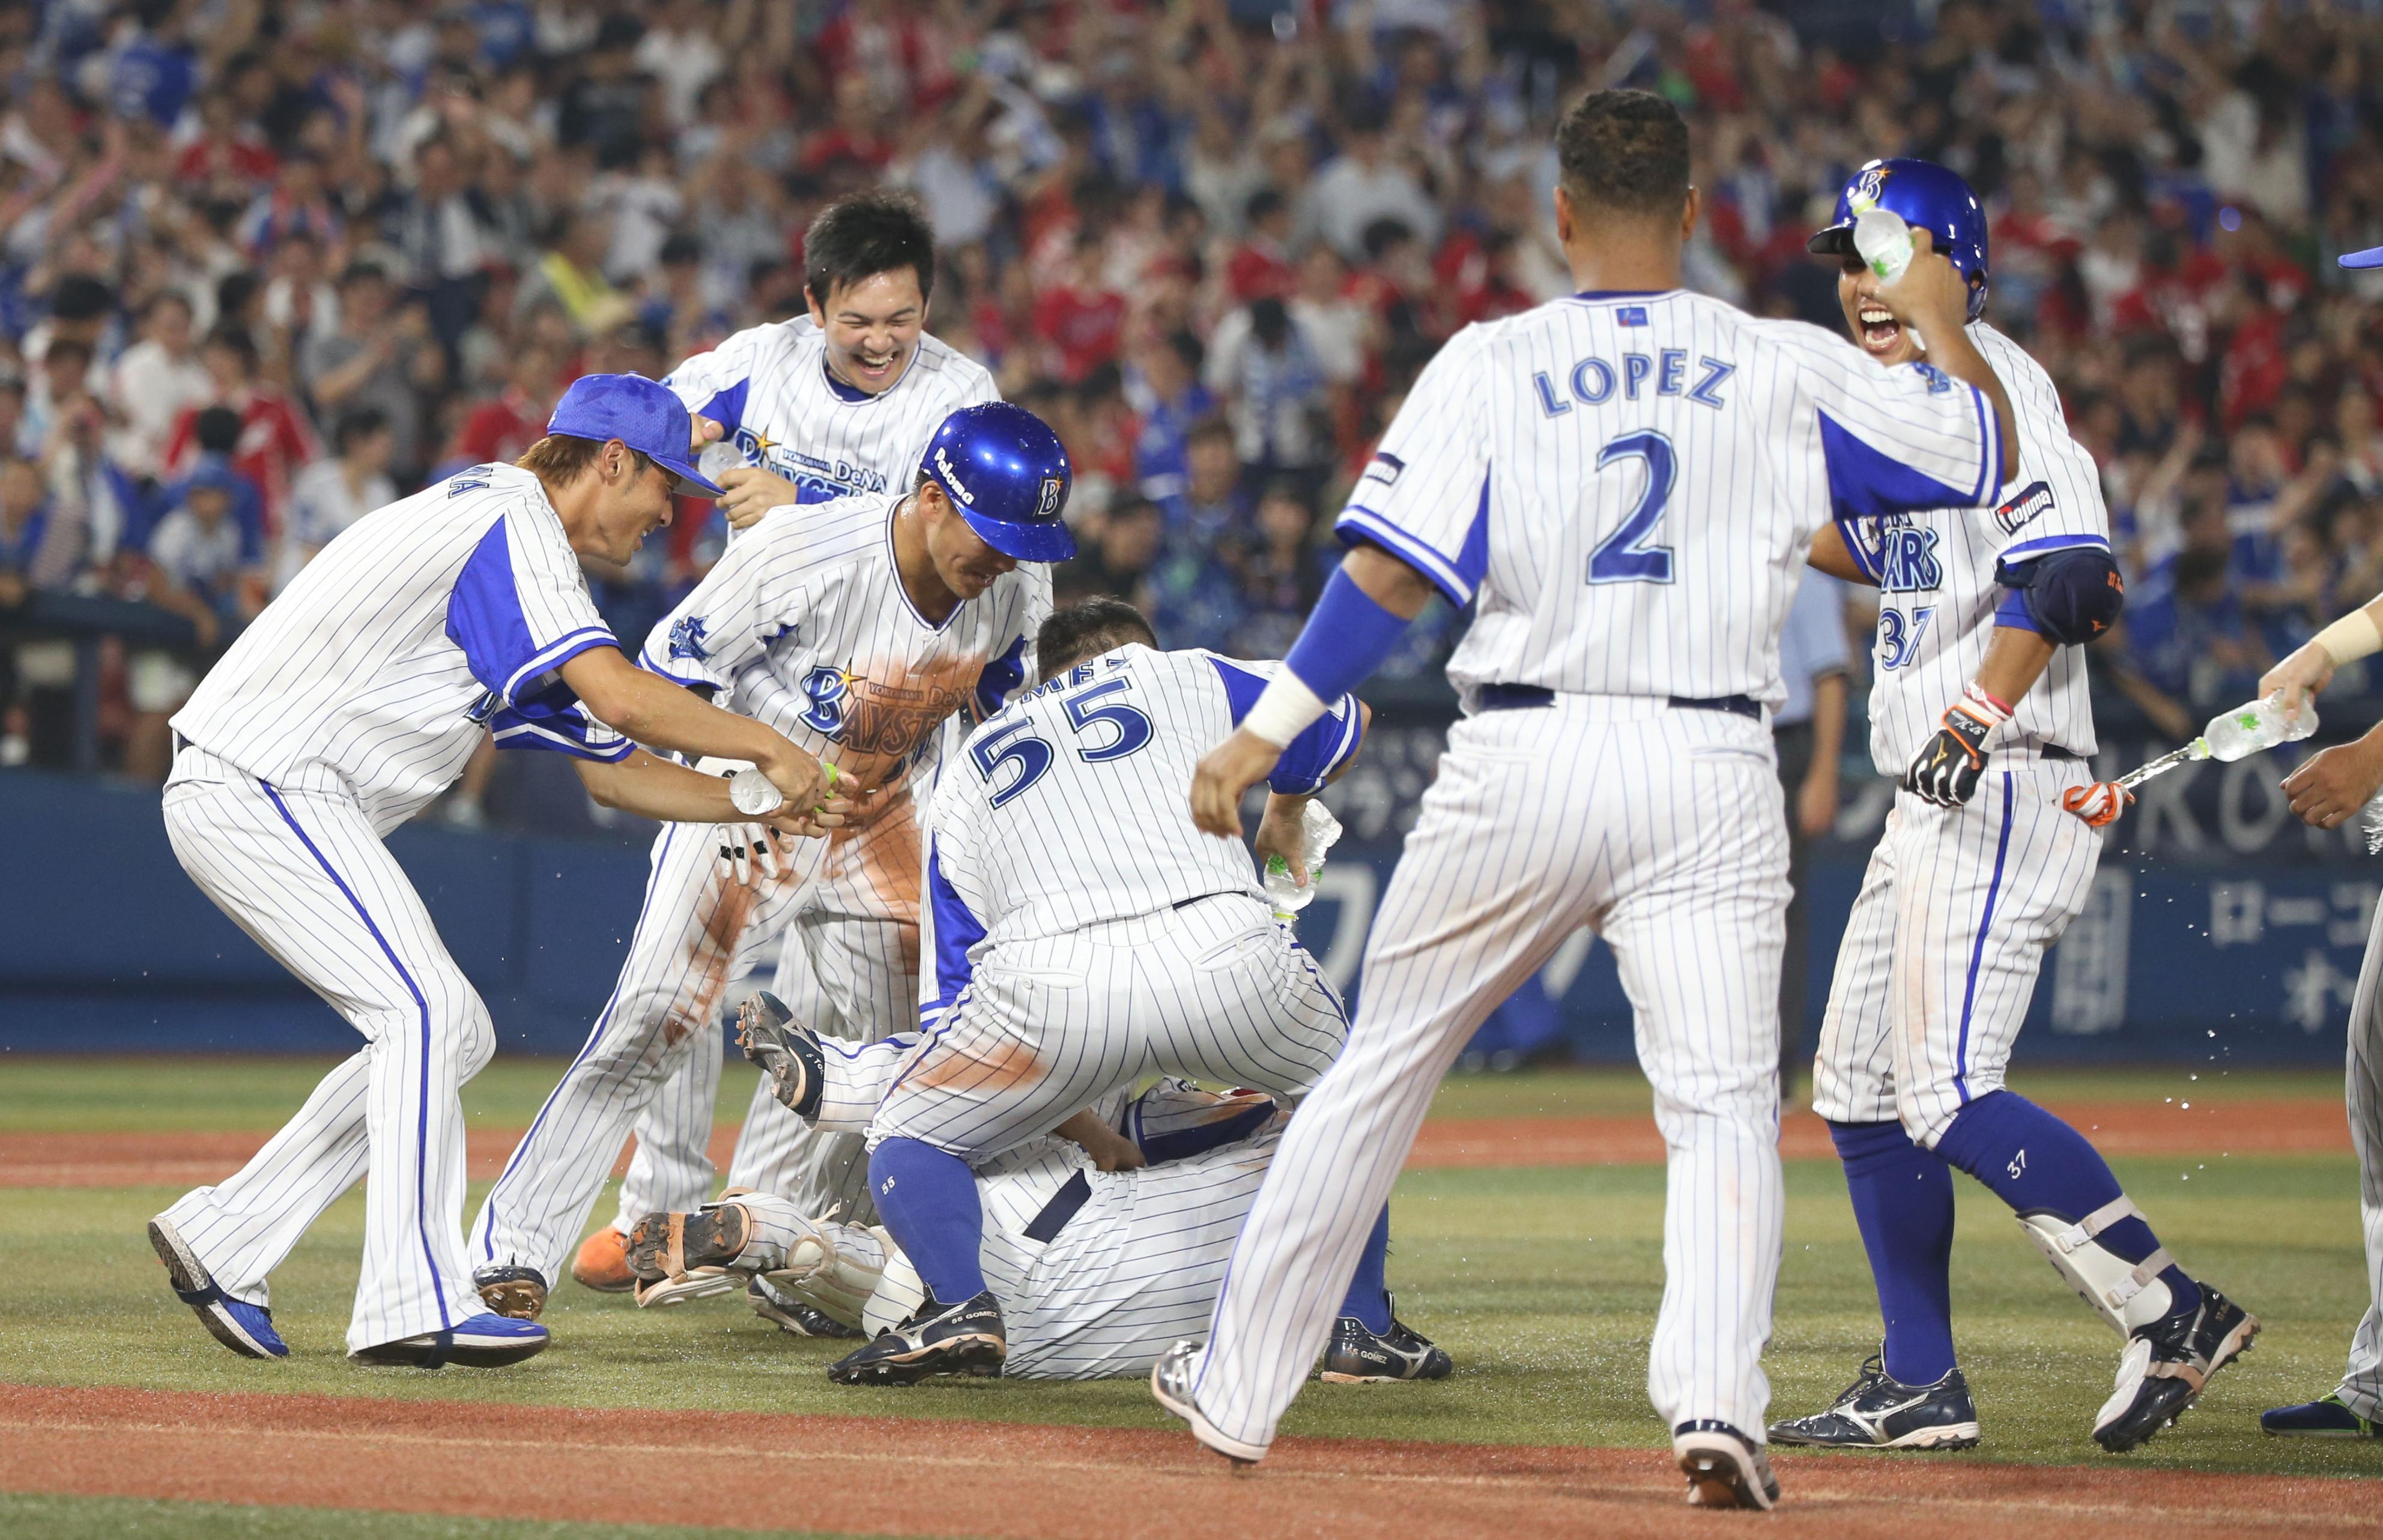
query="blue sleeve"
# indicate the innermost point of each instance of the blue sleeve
(557, 728)
(1321, 747)
(1001, 678)
(486, 619)
(957, 930)
(727, 408)
(1865, 482)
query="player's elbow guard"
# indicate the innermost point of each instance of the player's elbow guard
(2069, 597)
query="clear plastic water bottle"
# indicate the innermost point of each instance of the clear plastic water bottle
(2260, 724)
(1885, 243)
(1317, 832)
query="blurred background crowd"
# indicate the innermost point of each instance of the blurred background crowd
(266, 265)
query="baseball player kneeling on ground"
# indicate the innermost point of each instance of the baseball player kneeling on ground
(1979, 707)
(1106, 1240)
(1081, 933)
(352, 701)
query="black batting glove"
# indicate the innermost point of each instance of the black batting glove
(1946, 768)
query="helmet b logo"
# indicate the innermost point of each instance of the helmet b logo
(1866, 190)
(1049, 504)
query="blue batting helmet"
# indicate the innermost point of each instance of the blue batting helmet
(1927, 195)
(1003, 468)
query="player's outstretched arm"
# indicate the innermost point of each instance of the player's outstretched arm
(655, 788)
(1365, 609)
(660, 714)
(1933, 299)
(2310, 667)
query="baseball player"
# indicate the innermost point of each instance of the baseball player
(1624, 484)
(352, 702)
(840, 401)
(1081, 934)
(2326, 792)
(1107, 1237)
(857, 628)
(1980, 709)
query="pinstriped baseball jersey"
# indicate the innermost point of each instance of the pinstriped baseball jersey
(1629, 482)
(805, 626)
(373, 673)
(778, 407)
(1937, 592)
(1108, 746)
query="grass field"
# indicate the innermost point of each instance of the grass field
(1543, 1283)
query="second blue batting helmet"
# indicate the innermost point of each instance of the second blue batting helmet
(1927, 195)
(1003, 469)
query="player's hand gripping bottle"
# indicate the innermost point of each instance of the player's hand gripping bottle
(1317, 832)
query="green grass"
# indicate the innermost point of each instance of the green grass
(51, 1518)
(1543, 1283)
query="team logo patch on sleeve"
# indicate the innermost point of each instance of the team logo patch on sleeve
(2024, 509)
(1383, 468)
(686, 639)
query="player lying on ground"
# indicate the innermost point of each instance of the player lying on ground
(1106, 1240)
(1081, 933)
(1980, 709)
(352, 702)
(856, 627)
(1625, 483)
(2326, 792)
(838, 402)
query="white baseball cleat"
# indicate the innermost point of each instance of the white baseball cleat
(1170, 1385)
(1724, 1468)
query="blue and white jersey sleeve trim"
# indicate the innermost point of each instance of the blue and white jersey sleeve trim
(957, 933)
(1357, 523)
(1309, 760)
(566, 731)
(554, 655)
(486, 619)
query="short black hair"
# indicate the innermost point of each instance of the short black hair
(360, 423)
(1625, 151)
(215, 430)
(862, 236)
(1087, 629)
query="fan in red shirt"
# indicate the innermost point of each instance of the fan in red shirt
(501, 427)
(1260, 263)
(276, 440)
(1080, 319)
(227, 148)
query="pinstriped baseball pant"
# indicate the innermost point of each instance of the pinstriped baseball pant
(308, 878)
(1941, 953)
(1663, 830)
(2362, 1381)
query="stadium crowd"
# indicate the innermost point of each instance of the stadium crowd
(263, 266)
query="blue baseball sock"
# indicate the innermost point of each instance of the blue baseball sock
(2034, 1161)
(1369, 1296)
(927, 1198)
(1903, 1202)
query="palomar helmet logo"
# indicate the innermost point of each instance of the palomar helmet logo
(951, 478)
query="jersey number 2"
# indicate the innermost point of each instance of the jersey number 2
(1017, 741)
(1624, 556)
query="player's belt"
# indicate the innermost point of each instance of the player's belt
(1522, 698)
(1062, 1207)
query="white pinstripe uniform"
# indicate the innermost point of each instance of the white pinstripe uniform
(1081, 932)
(806, 627)
(351, 703)
(1627, 484)
(1097, 1272)
(1940, 956)
(769, 389)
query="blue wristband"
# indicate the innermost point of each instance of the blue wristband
(1346, 639)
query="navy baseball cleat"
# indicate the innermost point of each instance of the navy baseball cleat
(2166, 1366)
(1878, 1411)
(518, 1292)
(793, 1316)
(2326, 1417)
(1724, 1468)
(1357, 1356)
(476, 1342)
(965, 1338)
(246, 1329)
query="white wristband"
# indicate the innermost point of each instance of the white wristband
(2352, 637)
(1284, 710)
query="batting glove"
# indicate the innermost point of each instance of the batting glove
(2098, 804)
(1945, 771)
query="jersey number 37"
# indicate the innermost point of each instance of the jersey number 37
(1015, 743)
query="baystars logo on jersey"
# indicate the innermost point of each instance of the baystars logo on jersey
(815, 480)
(1906, 561)
(686, 639)
(827, 689)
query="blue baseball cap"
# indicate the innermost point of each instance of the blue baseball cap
(1005, 470)
(639, 412)
(2371, 258)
